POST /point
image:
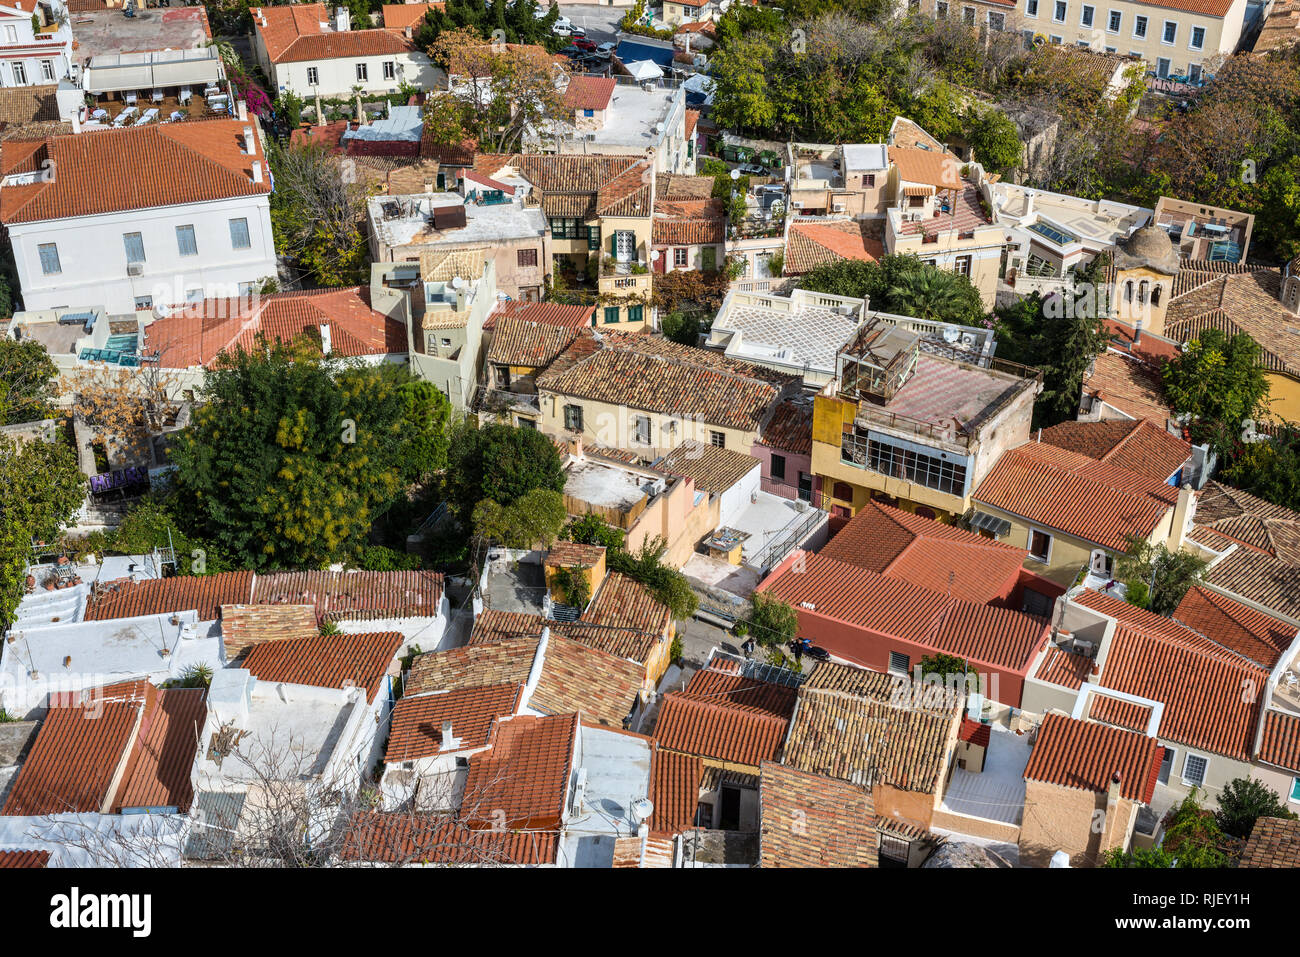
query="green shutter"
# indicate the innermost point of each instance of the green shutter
(593, 238)
(613, 243)
(634, 313)
(611, 313)
(710, 258)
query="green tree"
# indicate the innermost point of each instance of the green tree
(1243, 801)
(943, 665)
(1217, 379)
(1168, 575)
(501, 463)
(590, 530)
(994, 138)
(929, 293)
(1270, 467)
(534, 518)
(772, 621)
(427, 412)
(1192, 839)
(27, 381)
(667, 585)
(290, 456)
(152, 524)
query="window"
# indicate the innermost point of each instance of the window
(363, 71)
(1083, 44)
(718, 439)
(1085, 17)
(681, 257)
(588, 112)
(313, 76)
(899, 663)
(1110, 49)
(805, 486)
(998, 22)
(1116, 18)
(962, 266)
(49, 253)
(611, 313)
(1171, 32)
(526, 257)
(968, 16)
(47, 71)
(634, 313)
(1058, 12)
(1139, 26)
(593, 237)
(778, 466)
(642, 430)
(941, 10)
(143, 302)
(1054, 38)
(1295, 790)
(390, 70)
(20, 74)
(1194, 72)
(1031, 8)
(11, 34)
(185, 241)
(1162, 71)
(1166, 765)
(239, 234)
(1102, 564)
(567, 229)
(573, 418)
(1194, 766)
(1040, 545)
(1198, 38)
(134, 244)
(932, 471)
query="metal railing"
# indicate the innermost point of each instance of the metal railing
(771, 555)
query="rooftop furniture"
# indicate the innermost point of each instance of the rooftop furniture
(130, 98)
(126, 116)
(149, 116)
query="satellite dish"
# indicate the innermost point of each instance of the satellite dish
(654, 255)
(457, 282)
(735, 174)
(642, 809)
(951, 334)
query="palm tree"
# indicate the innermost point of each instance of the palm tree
(928, 293)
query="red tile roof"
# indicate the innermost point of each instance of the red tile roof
(1095, 501)
(165, 751)
(689, 222)
(525, 776)
(205, 330)
(623, 602)
(621, 642)
(1253, 634)
(518, 342)
(24, 859)
(589, 92)
(202, 593)
(1140, 446)
(925, 552)
(543, 313)
(327, 661)
(674, 791)
(398, 16)
(243, 626)
(302, 32)
(1064, 668)
(416, 729)
(1274, 842)
(886, 606)
(1084, 755)
(355, 595)
(1132, 386)
(1280, 743)
(812, 244)
(975, 732)
(790, 428)
(142, 167)
(578, 677)
(807, 820)
(1126, 714)
(412, 838)
(724, 716)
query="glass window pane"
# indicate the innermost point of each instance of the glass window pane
(239, 234)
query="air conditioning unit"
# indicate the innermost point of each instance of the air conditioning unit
(797, 205)
(838, 208)
(135, 269)
(1083, 647)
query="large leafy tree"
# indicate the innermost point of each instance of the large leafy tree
(27, 381)
(501, 463)
(994, 138)
(1156, 578)
(1218, 381)
(1193, 839)
(901, 284)
(291, 455)
(1243, 801)
(1270, 467)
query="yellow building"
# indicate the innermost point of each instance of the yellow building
(913, 428)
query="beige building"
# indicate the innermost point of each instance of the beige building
(849, 179)
(615, 116)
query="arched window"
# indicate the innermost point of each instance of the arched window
(1143, 286)
(1128, 291)
(1155, 295)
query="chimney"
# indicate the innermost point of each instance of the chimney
(248, 140)
(1137, 332)
(1112, 792)
(325, 343)
(449, 742)
(76, 122)
(257, 171)
(1029, 204)
(243, 110)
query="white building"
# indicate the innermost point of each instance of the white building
(132, 218)
(35, 43)
(301, 49)
(617, 119)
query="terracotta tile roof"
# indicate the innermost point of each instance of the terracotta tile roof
(300, 33)
(399, 16)
(165, 751)
(1124, 714)
(1254, 635)
(674, 791)
(790, 428)
(580, 187)
(406, 838)
(543, 313)
(866, 741)
(925, 552)
(975, 732)
(525, 775)
(573, 555)
(327, 661)
(517, 342)
(1260, 525)
(886, 606)
(472, 666)
(1154, 624)
(243, 626)
(657, 375)
(20, 105)
(202, 593)
(965, 215)
(861, 682)
(355, 595)
(623, 602)
(689, 222)
(632, 644)
(24, 859)
(589, 92)
(1092, 500)
(149, 167)
(812, 244)
(915, 165)
(1064, 668)
(725, 716)
(812, 821)
(1274, 842)
(201, 332)
(1128, 384)
(715, 470)
(1086, 756)
(676, 186)
(416, 729)
(578, 677)
(1280, 742)
(1248, 302)
(639, 852)
(1139, 446)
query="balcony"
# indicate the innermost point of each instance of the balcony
(624, 278)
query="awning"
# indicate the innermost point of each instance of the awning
(990, 523)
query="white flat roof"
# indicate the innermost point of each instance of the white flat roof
(806, 336)
(598, 483)
(871, 156)
(483, 224)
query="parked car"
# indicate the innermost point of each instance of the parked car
(582, 43)
(751, 169)
(572, 52)
(606, 50)
(577, 31)
(563, 27)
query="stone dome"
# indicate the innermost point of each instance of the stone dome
(1150, 247)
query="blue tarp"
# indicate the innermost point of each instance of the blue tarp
(630, 51)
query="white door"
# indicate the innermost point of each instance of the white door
(625, 245)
